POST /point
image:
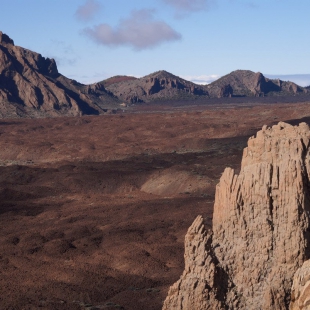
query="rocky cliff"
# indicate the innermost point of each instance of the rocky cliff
(261, 231)
(30, 85)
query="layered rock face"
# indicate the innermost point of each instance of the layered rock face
(261, 230)
(30, 84)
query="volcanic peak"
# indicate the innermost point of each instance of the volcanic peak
(161, 74)
(5, 39)
(117, 79)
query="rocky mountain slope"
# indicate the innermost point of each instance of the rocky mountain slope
(160, 85)
(261, 231)
(248, 83)
(117, 79)
(30, 85)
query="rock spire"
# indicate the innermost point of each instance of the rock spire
(261, 230)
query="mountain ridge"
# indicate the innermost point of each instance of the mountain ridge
(31, 86)
(155, 86)
(165, 85)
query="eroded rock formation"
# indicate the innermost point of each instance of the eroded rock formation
(261, 230)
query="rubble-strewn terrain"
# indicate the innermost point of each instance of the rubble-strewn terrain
(94, 209)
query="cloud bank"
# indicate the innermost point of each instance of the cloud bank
(202, 79)
(87, 11)
(140, 31)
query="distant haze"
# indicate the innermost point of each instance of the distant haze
(201, 79)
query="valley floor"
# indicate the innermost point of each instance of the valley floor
(94, 209)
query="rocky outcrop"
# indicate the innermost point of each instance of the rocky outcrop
(160, 85)
(300, 297)
(261, 229)
(247, 83)
(30, 84)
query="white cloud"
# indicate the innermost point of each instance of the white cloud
(202, 79)
(88, 10)
(140, 31)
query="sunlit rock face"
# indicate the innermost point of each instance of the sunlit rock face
(260, 232)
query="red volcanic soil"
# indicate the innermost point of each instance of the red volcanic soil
(93, 210)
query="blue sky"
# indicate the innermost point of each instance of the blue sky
(197, 39)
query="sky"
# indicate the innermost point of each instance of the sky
(199, 40)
